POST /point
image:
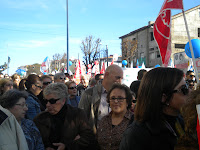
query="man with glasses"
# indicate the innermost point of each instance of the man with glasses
(59, 77)
(93, 100)
(45, 80)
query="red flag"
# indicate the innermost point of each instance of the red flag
(198, 132)
(103, 69)
(198, 127)
(162, 28)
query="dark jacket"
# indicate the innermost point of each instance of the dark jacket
(74, 123)
(142, 136)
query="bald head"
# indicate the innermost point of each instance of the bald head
(113, 74)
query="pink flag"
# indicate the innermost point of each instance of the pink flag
(96, 67)
(162, 28)
(77, 76)
(103, 69)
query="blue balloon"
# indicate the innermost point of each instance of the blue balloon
(156, 66)
(70, 63)
(124, 62)
(196, 48)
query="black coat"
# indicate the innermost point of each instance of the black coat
(70, 123)
(141, 136)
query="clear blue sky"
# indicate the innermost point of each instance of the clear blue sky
(30, 30)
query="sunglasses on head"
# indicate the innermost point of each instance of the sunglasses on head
(71, 88)
(184, 89)
(46, 83)
(51, 101)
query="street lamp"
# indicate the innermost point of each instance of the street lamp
(67, 39)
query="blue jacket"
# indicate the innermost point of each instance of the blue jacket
(32, 135)
(33, 106)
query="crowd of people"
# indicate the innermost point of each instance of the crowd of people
(157, 111)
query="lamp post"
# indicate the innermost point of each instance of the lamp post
(67, 39)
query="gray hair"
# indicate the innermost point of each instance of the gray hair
(58, 89)
(57, 75)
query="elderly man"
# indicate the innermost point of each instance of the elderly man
(59, 77)
(61, 125)
(93, 100)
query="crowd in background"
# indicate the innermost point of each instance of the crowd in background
(157, 111)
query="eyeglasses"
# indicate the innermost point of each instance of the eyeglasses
(61, 78)
(22, 105)
(51, 101)
(46, 83)
(38, 86)
(8, 84)
(71, 88)
(184, 89)
(119, 99)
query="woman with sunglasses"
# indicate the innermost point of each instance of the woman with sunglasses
(15, 102)
(111, 127)
(73, 99)
(46, 80)
(157, 125)
(61, 125)
(33, 85)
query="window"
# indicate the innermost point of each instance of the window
(199, 30)
(152, 55)
(151, 49)
(180, 46)
(142, 55)
(151, 34)
(158, 54)
(134, 39)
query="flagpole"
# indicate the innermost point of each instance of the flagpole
(191, 48)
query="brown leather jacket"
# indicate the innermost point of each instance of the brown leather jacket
(75, 124)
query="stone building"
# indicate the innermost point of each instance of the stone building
(140, 44)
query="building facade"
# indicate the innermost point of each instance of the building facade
(140, 44)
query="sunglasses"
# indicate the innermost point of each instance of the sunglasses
(192, 75)
(51, 101)
(71, 88)
(38, 86)
(46, 83)
(61, 78)
(184, 89)
(134, 101)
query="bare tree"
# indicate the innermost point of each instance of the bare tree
(91, 49)
(129, 49)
